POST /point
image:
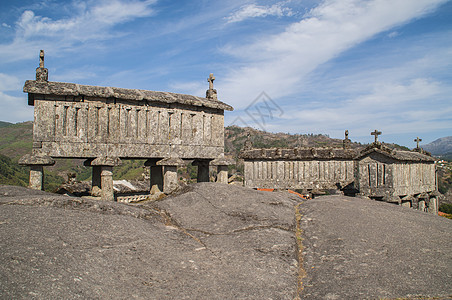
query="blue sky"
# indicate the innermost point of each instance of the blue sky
(286, 66)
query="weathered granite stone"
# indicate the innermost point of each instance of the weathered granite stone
(170, 180)
(107, 183)
(222, 164)
(28, 160)
(106, 161)
(299, 168)
(42, 74)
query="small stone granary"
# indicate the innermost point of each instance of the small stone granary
(404, 177)
(106, 124)
(299, 168)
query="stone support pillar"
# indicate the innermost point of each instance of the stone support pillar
(170, 180)
(421, 206)
(156, 173)
(406, 203)
(96, 184)
(433, 205)
(102, 181)
(36, 177)
(107, 183)
(222, 164)
(222, 174)
(423, 202)
(36, 164)
(203, 170)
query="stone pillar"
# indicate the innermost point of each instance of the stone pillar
(406, 203)
(170, 182)
(433, 206)
(36, 177)
(96, 184)
(421, 206)
(36, 164)
(103, 176)
(423, 201)
(222, 174)
(156, 176)
(203, 170)
(222, 164)
(107, 192)
(435, 196)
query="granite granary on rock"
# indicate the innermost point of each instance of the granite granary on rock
(105, 125)
(404, 177)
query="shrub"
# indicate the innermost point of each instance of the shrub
(446, 208)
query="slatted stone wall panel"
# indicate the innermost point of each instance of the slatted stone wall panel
(95, 128)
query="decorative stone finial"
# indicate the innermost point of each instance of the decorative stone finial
(42, 74)
(346, 142)
(211, 93)
(248, 144)
(417, 140)
(376, 133)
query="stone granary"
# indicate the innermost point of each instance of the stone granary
(299, 168)
(106, 124)
(404, 177)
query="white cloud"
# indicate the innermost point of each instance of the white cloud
(419, 105)
(393, 34)
(6, 25)
(86, 23)
(277, 64)
(254, 11)
(9, 83)
(14, 109)
(89, 22)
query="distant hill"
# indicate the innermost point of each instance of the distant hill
(16, 140)
(235, 137)
(441, 147)
(4, 124)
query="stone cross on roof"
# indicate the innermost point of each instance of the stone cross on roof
(211, 93)
(42, 74)
(417, 140)
(376, 133)
(41, 59)
(210, 80)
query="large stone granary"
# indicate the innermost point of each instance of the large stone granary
(106, 124)
(404, 177)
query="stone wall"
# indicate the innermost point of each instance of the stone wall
(395, 174)
(307, 175)
(299, 168)
(97, 128)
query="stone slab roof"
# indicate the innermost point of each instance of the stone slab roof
(298, 153)
(402, 155)
(73, 89)
(330, 153)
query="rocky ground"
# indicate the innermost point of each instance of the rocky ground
(214, 241)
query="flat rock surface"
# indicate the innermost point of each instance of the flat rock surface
(238, 244)
(362, 249)
(214, 241)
